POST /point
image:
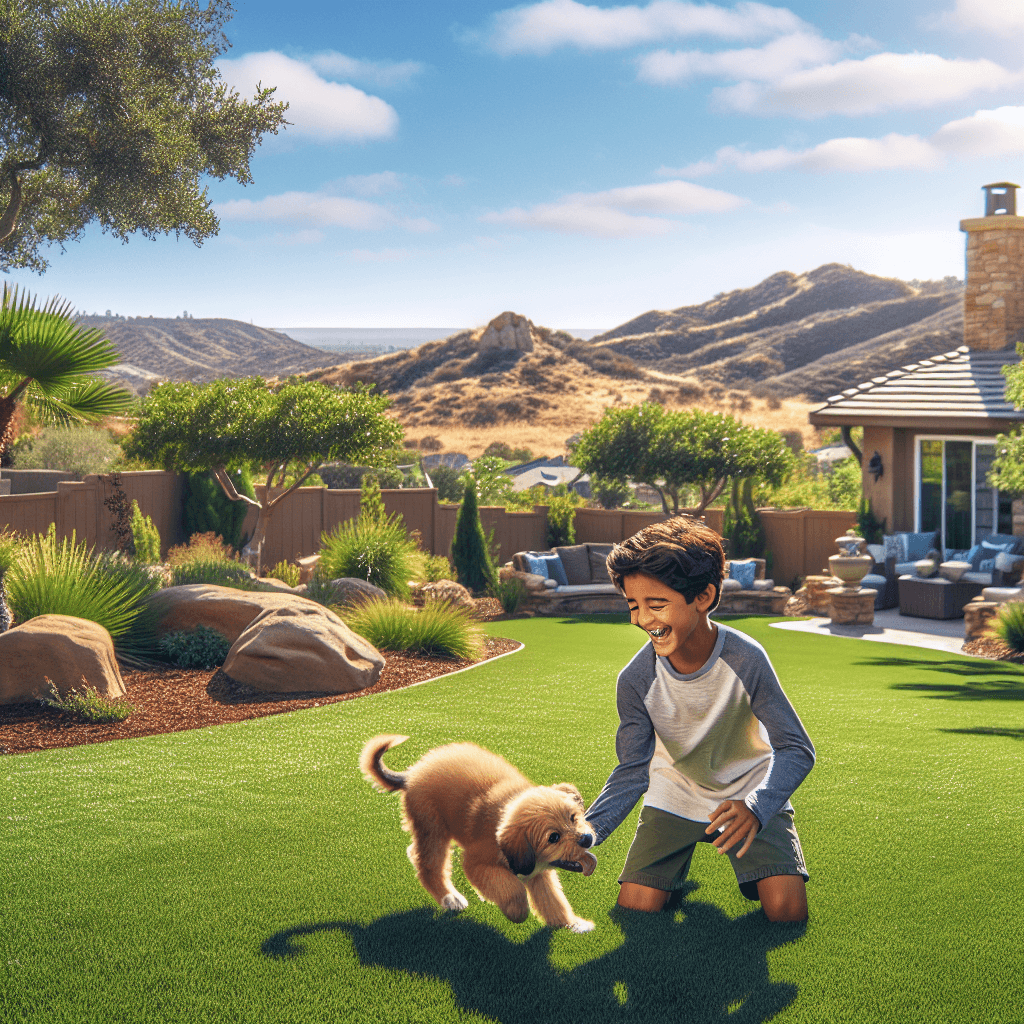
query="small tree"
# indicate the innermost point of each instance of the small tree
(114, 111)
(493, 485)
(207, 509)
(145, 537)
(469, 547)
(293, 430)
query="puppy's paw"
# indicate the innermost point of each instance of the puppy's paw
(579, 925)
(456, 901)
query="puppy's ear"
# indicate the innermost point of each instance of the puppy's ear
(516, 847)
(568, 787)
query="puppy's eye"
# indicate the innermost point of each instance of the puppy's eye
(554, 837)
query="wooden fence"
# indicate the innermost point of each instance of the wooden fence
(800, 540)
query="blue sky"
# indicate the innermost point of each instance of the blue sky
(579, 162)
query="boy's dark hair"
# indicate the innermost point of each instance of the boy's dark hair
(683, 553)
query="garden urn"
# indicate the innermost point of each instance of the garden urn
(849, 565)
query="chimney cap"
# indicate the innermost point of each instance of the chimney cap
(1001, 184)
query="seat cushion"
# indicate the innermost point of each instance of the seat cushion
(905, 569)
(587, 588)
(576, 562)
(763, 584)
(984, 578)
(1002, 594)
(598, 554)
(731, 585)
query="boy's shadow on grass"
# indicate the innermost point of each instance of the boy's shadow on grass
(701, 968)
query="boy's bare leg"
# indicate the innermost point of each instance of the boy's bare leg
(783, 897)
(634, 896)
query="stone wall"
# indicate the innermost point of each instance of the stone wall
(994, 292)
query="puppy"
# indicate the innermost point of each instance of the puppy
(512, 833)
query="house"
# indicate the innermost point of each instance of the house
(930, 427)
(549, 473)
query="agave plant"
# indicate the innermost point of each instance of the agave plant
(47, 360)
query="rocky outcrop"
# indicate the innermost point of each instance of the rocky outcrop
(508, 331)
(447, 591)
(348, 590)
(72, 653)
(300, 648)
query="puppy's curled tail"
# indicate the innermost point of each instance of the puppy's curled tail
(374, 770)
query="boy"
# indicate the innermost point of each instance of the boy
(704, 730)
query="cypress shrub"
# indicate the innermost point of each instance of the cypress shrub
(469, 547)
(146, 537)
(207, 509)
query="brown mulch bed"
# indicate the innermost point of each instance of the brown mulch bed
(173, 699)
(990, 647)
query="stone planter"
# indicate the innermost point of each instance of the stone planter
(850, 569)
(952, 571)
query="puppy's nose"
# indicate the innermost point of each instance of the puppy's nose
(586, 840)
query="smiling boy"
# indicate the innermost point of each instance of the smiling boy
(705, 731)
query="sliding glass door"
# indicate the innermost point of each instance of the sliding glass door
(953, 495)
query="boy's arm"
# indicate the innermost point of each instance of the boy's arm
(634, 746)
(793, 752)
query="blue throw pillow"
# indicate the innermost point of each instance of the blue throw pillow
(986, 565)
(974, 557)
(918, 545)
(535, 564)
(744, 573)
(554, 570)
(989, 546)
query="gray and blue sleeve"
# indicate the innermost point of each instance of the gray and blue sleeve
(634, 747)
(793, 752)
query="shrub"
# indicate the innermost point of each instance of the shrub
(201, 547)
(434, 568)
(318, 590)
(145, 536)
(510, 594)
(201, 647)
(207, 509)
(448, 482)
(75, 449)
(87, 706)
(1008, 626)
(218, 572)
(286, 573)
(68, 578)
(503, 450)
(469, 547)
(561, 528)
(438, 629)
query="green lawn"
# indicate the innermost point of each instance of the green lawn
(247, 873)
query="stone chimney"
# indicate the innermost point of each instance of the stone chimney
(994, 292)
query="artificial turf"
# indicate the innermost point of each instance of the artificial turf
(248, 873)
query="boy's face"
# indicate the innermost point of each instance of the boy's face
(673, 625)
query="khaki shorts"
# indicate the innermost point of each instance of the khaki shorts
(663, 846)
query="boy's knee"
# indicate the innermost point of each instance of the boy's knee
(642, 897)
(783, 898)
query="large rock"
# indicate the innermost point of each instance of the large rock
(447, 591)
(63, 649)
(348, 590)
(300, 648)
(508, 331)
(221, 608)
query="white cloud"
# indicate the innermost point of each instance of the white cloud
(542, 27)
(321, 209)
(308, 236)
(367, 184)
(884, 81)
(766, 63)
(997, 16)
(383, 74)
(986, 133)
(319, 110)
(379, 255)
(620, 212)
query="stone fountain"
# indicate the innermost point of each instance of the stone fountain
(851, 604)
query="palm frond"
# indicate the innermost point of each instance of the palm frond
(84, 400)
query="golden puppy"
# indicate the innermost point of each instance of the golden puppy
(512, 833)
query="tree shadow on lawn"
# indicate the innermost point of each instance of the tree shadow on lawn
(696, 965)
(984, 730)
(982, 680)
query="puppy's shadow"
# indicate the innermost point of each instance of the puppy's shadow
(689, 963)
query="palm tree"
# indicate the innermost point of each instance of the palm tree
(47, 361)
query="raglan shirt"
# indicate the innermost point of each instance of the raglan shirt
(691, 741)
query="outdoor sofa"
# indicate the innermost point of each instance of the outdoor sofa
(573, 580)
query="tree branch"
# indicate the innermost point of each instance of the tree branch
(9, 219)
(227, 486)
(310, 469)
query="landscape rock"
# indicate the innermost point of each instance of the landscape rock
(221, 608)
(63, 649)
(348, 590)
(508, 331)
(270, 585)
(448, 591)
(300, 648)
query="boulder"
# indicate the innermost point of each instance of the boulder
(508, 331)
(221, 608)
(63, 649)
(448, 591)
(348, 590)
(300, 648)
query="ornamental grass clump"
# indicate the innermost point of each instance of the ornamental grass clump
(66, 577)
(286, 572)
(145, 536)
(201, 647)
(1008, 626)
(215, 572)
(510, 593)
(438, 629)
(87, 706)
(374, 547)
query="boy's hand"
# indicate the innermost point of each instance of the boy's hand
(739, 822)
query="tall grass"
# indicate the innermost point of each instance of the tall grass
(217, 572)
(437, 629)
(1008, 626)
(375, 550)
(65, 577)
